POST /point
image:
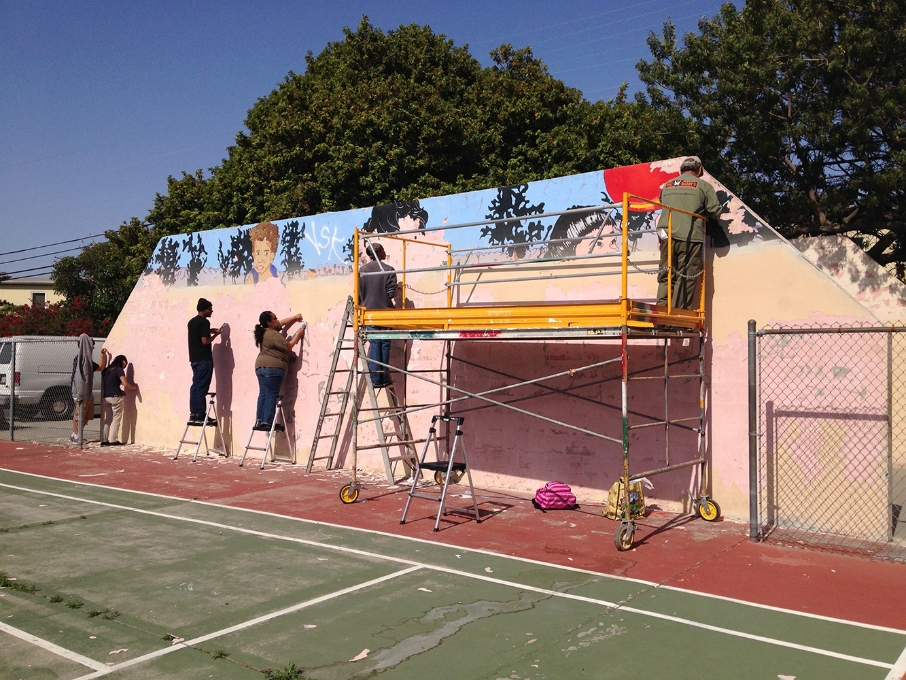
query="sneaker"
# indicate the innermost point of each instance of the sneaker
(106, 444)
(210, 422)
(279, 428)
(74, 438)
(116, 443)
(196, 417)
(262, 427)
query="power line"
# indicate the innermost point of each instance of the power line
(35, 257)
(621, 34)
(601, 36)
(49, 245)
(28, 276)
(22, 271)
(572, 21)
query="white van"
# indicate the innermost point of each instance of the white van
(43, 375)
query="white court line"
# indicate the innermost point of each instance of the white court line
(106, 670)
(898, 672)
(447, 570)
(56, 649)
(480, 551)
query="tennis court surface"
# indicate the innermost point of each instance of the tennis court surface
(132, 584)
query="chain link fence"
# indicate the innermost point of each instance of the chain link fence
(36, 402)
(830, 468)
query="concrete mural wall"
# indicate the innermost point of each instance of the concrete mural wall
(304, 265)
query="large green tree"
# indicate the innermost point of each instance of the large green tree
(379, 116)
(801, 104)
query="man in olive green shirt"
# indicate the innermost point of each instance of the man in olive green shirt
(691, 193)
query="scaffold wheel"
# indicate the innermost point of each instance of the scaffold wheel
(455, 476)
(708, 510)
(622, 537)
(349, 494)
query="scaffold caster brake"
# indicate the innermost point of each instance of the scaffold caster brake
(349, 493)
(622, 537)
(708, 509)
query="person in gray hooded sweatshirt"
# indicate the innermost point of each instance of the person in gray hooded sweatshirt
(83, 368)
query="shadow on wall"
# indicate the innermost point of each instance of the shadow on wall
(503, 442)
(291, 396)
(224, 364)
(130, 412)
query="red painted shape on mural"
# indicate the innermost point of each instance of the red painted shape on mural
(640, 180)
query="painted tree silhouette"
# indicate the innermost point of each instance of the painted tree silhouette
(237, 260)
(167, 261)
(198, 257)
(509, 207)
(290, 241)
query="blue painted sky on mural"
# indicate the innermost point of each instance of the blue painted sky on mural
(100, 101)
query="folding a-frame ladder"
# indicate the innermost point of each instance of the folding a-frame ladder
(209, 420)
(270, 446)
(338, 398)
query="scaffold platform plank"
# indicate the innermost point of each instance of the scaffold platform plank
(576, 320)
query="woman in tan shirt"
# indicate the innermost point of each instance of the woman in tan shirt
(272, 363)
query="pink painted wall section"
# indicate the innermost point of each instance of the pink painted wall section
(755, 275)
(863, 278)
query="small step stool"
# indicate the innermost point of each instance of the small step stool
(210, 420)
(446, 472)
(271, 438)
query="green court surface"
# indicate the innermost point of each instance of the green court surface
(133, 585)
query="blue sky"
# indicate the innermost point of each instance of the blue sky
(101, 101)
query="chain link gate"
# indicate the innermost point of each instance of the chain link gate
(828, 448)
(36, 402)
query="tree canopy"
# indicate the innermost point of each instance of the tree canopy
(799, 104)
(376, 117)
(399, 115)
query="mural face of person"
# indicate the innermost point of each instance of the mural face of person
(264, 237)
(263, 257)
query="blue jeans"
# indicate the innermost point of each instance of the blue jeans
(269, 382)
(379, 350)
(202, 372)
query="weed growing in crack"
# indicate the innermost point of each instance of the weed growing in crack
(8, 582)
(111, 614)
(74, 603)
(289, 672)
(219, 654)
(95, 612)
(56, 598)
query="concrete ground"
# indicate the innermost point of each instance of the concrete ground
(676, 555)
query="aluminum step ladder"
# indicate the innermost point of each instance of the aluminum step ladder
(446, 472)
(272, 439)
(344, 343)
(210, 420)
(394, 411)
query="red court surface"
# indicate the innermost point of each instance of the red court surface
(672, 550)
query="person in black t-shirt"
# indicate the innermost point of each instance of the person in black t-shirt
(114, 382)
(201, 358)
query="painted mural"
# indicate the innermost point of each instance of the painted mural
(304, 265)
(519, 216)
